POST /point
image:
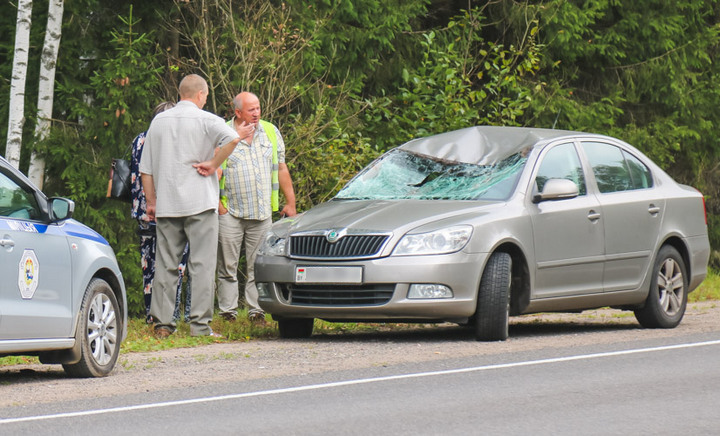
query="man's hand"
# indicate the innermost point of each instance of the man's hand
(206, 168)
(288, 210)
(222, 210)
(150, 211)
(246, 131)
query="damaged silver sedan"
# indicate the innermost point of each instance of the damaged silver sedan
(479, 224)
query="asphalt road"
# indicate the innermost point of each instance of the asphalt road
(655, 386)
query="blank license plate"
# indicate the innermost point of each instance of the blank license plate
(328, 274)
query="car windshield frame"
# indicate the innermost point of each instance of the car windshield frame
(402, 174)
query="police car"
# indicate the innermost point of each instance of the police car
(62, 295)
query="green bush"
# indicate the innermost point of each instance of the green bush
(450, 89)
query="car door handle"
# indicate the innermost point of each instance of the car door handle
(7, 243)
(593, 216)
(653, 210)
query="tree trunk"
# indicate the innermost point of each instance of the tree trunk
(16, 117)
(46, 88)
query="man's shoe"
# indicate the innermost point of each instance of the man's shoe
(228, 316)
(216, 335)
(257, 318)
(212, 334)
(162, 332)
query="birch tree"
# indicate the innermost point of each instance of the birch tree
(16, 118)
(48, 61)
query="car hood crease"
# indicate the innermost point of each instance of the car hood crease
(382, 216)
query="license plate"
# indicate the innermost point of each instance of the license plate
(328, 274)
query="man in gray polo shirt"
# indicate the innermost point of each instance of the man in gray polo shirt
(177, 161)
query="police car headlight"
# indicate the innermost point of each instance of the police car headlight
(441, 241)
(273, 245)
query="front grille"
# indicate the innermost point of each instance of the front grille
(349, 246)
(333, 295)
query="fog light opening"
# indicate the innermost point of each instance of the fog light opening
(429, 291)
(263, 289)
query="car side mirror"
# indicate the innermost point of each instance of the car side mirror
(61, 209)
(557, 189)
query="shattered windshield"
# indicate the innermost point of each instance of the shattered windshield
(400, 174)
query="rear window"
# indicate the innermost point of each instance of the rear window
(615, 169)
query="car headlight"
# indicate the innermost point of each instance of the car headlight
(273, 245)
(441, 241)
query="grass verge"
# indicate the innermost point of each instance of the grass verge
(709, 289)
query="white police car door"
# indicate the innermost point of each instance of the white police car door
(35, 268)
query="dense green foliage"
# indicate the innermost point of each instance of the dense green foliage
(448, 89)
(347, 80)
(643, 71)
(112, 105)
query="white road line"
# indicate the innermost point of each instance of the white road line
(355, 382)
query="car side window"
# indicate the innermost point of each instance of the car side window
(15, 202)
(640, 174)
(561, 162)
(616, 170)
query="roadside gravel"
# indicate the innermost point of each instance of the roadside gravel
(164, 370)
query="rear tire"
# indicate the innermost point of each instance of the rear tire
(295, 328)
(492, 317)
(667, 298)
(99, 331)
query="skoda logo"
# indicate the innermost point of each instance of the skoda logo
(333, 236)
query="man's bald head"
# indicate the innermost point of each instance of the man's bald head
(194, 88)
(191, 84)
(240, 99)
(247, 107)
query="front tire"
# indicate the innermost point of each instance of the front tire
(296, 328)
(667, 299)
(99, 332)
(492, 317)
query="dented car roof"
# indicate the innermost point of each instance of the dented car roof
(482, 145)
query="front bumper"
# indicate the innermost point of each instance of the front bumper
(393, 275)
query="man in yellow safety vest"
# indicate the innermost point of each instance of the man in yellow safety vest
(250, 182)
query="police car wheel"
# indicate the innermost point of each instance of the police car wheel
(99, 332)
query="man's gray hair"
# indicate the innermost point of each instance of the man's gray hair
(162, 107)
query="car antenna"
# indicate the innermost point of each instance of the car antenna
(556, 118)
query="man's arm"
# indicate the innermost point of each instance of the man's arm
(286, 187)
(150, 197)
(210, 166)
